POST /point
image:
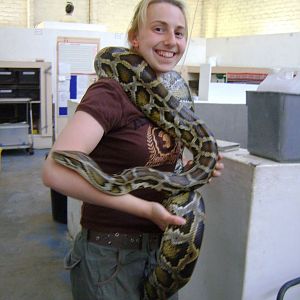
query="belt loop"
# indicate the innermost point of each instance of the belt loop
(145, 242)
(85, 233)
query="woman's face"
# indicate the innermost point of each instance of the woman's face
(161, 40)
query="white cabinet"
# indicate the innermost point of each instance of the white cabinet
(28, 80)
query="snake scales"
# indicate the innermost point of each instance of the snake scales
(180, 245)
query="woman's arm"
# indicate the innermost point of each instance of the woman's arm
(83, 133)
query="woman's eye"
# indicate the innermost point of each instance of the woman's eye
(180, 35)
(158, 29)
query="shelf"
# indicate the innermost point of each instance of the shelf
(223, 69)
(14, 100)
(10, 147)
(200, 77)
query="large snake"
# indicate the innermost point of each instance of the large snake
(180, 245)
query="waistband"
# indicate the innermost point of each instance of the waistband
(132, 241)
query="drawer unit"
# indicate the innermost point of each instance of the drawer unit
(8, 91)
(29, 91)
(19, 76)
(25, 95)
(8, 76)
(20, 91)
(29, 76)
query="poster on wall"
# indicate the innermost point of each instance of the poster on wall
(75, 67)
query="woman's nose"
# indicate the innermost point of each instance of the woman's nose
(170, 38)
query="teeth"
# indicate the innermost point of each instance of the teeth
(165, 53)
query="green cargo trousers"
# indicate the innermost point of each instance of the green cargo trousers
(107, 273)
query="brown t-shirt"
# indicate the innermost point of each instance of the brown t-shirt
(129, 140)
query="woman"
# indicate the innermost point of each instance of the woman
(120, 234)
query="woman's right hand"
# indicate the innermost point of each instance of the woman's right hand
(162, 217)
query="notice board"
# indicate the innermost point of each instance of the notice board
(75, 68)
(79, 53)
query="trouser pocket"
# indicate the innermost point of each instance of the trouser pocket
(93, 269)
(71, 260)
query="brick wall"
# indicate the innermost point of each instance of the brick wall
(209, 14)
(241, 17)
(213, 18)
(13, 13)
(54, 10)
(117, 14)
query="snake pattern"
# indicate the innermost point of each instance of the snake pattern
(163, 103)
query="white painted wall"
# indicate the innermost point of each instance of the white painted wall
(195, 54)
(264, 51)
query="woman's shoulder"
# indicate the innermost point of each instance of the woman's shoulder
(103, 84)
(108, 103)
(105, 91)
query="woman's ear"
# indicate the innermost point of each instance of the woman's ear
(135, 43)
(132, 38)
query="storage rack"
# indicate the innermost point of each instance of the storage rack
(226, 74)
(19, 139)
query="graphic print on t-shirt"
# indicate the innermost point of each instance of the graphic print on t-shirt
(163, 149)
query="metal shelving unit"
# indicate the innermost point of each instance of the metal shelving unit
(17, 135)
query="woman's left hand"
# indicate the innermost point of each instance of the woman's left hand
(218, 168)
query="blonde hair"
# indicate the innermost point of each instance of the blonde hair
(140, 15)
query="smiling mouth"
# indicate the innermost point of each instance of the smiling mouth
(165, 54)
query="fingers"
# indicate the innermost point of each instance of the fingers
(219, 167)
(188, 165)
(162, 217)
(172, 220)
(217, 172)
(175, 220)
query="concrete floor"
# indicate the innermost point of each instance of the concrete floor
(32, 244)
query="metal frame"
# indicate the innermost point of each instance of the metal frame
(29, 121)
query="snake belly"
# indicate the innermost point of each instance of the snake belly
(164, 106)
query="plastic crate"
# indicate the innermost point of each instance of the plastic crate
(273, 125)
(15, 134)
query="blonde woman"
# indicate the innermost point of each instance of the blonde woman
(121, 234)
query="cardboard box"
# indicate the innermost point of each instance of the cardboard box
(274, 125)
